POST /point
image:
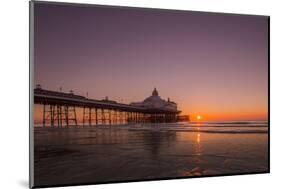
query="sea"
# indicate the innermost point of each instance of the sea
(131, 152)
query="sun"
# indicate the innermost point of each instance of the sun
(199, 117)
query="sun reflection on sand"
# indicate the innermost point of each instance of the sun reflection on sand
(198, 138)
(198, 148)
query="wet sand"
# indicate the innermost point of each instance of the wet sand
(106, 154)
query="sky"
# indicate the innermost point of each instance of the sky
(213, 65)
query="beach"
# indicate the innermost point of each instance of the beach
(100, 154)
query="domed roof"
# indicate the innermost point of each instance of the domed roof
(155, 101)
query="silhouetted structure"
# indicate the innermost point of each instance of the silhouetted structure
(59, 109)
(183, 118)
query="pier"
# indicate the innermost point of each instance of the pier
(59, 110)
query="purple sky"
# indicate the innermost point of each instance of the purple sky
(210, 64)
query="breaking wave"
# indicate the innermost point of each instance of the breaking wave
(209, 127)
(203, 131)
